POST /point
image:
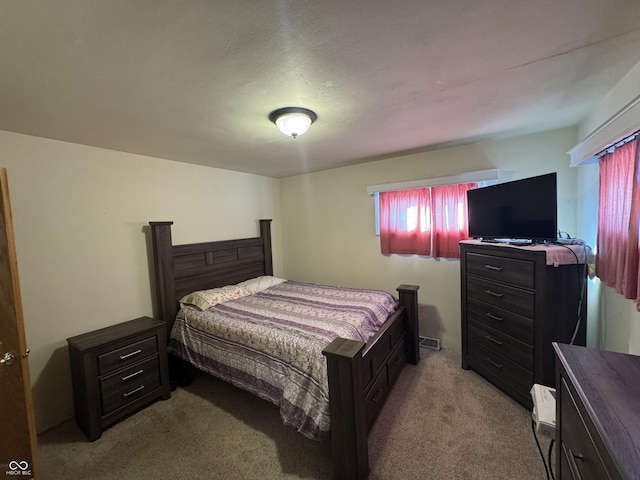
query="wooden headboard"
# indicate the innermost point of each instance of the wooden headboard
(181, 269)
(360, 375)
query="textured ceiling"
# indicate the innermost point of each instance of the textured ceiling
(195, 80)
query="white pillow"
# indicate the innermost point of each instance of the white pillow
(204, 299)
(255, 285)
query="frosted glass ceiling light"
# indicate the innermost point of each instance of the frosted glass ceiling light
(293, 121)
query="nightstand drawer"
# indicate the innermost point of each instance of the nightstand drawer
(129, 375)
(513, 299)
(126, 355)
(507, 270)
(130, 392)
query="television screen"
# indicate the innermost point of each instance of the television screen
(522, 209)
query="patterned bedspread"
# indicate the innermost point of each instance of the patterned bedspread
(270, 343)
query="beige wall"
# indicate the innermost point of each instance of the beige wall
(328, 220)
(80, 219)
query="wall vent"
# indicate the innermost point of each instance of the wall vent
(428, 342)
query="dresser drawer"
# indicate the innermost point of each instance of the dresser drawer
(498, 343)
(505, 321)
(579, 452)
(509, 298)
(127, 354)
(501, 269)
(501, 371)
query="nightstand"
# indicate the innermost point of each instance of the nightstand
(117, 370)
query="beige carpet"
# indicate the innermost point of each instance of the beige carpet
(441, 422)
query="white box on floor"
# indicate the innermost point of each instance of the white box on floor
(544, 409)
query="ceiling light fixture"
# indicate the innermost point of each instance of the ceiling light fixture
(293, 121)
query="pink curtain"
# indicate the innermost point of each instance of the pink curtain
(424, 221)
(405, 222)
(618, 213)
(450, 223)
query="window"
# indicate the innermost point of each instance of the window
(617, 259)
(424, 221)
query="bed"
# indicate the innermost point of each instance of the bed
(359, 374)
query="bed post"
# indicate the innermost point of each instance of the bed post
(408, 296)
(265, 233)
(166, 302)
(349, 432)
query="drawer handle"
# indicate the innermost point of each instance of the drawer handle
(573, 466)
(493, 267)
(493, 340)
(135, 390)
(134, 374)
(376, 397)
(495, 364)
(493, 317)
(493, 294)
(129, 355)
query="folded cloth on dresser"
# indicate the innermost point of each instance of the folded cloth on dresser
(270, 343)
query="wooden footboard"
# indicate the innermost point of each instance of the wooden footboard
(360, 379)
(360, 375)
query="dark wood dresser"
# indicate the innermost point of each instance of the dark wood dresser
(514, 306)
(597, 414)
(117, 370)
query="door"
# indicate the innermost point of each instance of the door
(18, 447)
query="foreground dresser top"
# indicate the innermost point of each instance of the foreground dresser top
(608, 384)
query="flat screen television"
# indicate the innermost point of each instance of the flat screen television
(524, 209)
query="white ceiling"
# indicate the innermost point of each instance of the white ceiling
(194, 81)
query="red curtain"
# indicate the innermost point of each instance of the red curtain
(405, 222)
(450, 223)
(424, 221)
(618, 214)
